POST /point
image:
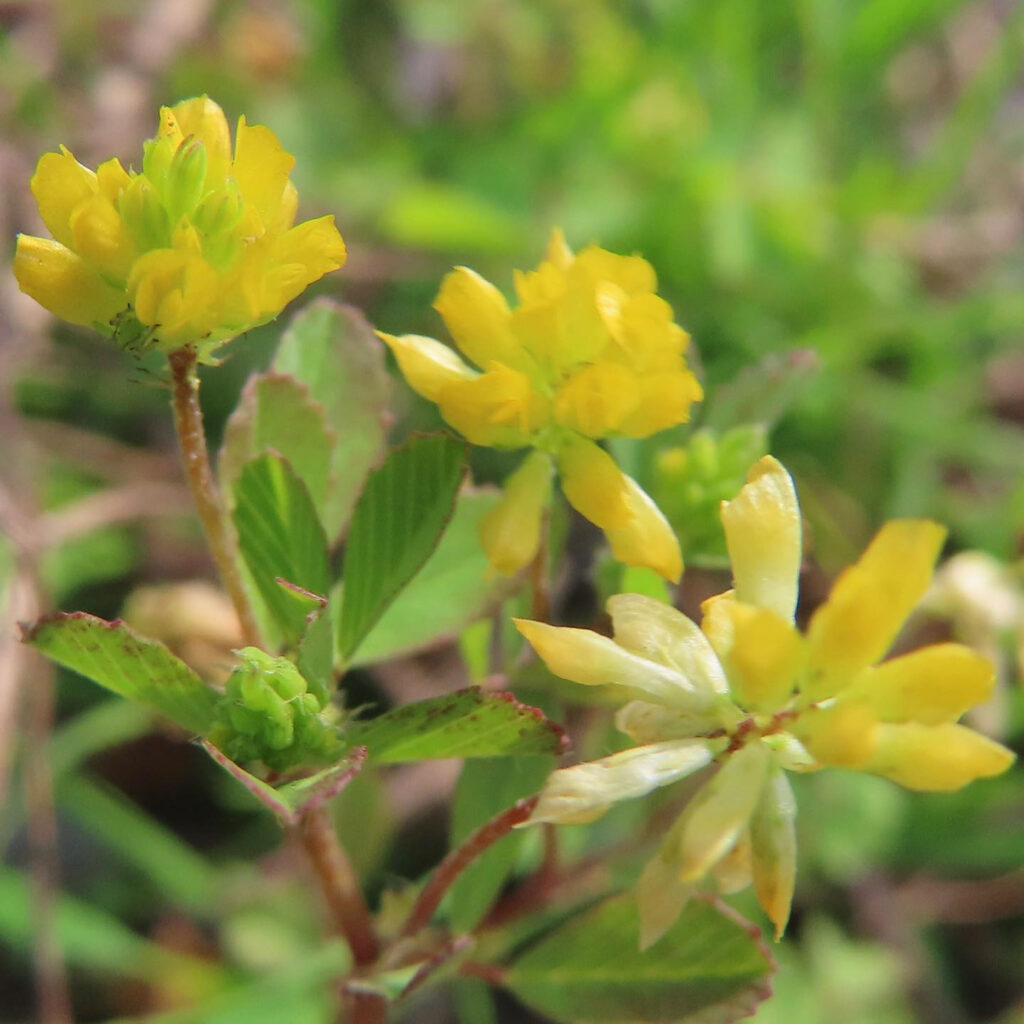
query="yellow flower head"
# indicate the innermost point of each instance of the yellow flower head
(589, 352)
(194, 249)
(748, 690)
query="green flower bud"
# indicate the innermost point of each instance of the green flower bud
(143, 213)
(186, 179)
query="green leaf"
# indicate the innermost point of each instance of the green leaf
(116, 657)
(468, 723)
(315, 655)
(332, 350)
(486, 787)
(281, 538)
(277, 413)
(396, 525)
(454, 587)
(709, 966)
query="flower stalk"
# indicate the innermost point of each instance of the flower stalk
(188, 422)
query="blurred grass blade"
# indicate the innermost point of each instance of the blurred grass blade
(396, 525)
(116, 657)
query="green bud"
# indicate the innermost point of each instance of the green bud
(143, 213)
(186, 178)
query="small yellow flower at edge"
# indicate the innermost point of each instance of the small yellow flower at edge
(589, 352)
(749, 692)
(197, 247)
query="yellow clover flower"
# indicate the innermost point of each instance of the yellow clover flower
(590, 352)
(193, 250)
(750, 692)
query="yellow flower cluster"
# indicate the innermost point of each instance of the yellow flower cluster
(193, 250)
(590, 352)
(749, 691)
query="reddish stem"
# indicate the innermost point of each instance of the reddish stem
(188, 421)
(340, 886)
(460, 858)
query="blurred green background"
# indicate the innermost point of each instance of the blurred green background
(832, 193)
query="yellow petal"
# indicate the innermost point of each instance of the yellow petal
(933, 685)
(303, 255)
(844, 735)
(101, 238)
(558, 253)
(644, 722)
(659, 632)
(937, 758)
(773, 849)
(597, 399)
(647, 539)
(633, 274)
(721, 810)
(765, 657)
(762, 532)
(869, 603)
(498, 408)
(59, 184)
(510, 531)
(594, 484)
(61, 282)
(664, 400)
(581, 794)
(718, 623)
(478, 317)
(174, 292)
(661, 895)
(204, 119)
(112, 179)
(585, 657)
(734, 872)
(261, 168)
(426, 364)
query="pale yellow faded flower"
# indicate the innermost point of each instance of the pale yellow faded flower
(197, 247)
(751, 694)
(589, 352)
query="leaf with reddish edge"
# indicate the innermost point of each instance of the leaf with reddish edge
(117, 658)
(333, 351)
(711, 967)
(468, 723)
(289, 802)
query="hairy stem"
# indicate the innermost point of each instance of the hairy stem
(341, 889)
(460, 858)
(188, 421)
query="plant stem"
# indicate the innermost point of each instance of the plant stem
(315, 830)
(188, 421)
(338, 881)
(367, 1008)
(460, 858)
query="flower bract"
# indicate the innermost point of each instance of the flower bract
(589, 352)
(751, 694)
(194, 248)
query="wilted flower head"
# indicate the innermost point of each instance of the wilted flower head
(194, 249)
(590, 352)
(750, 692)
